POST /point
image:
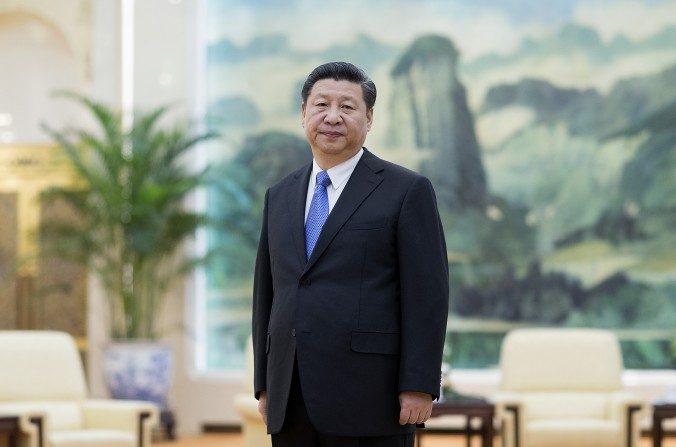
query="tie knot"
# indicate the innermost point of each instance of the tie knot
(323, 179)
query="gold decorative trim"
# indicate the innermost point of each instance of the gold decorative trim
(28, 170)
(25, 161)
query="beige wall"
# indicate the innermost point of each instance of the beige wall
(44, 46)
(70, 17)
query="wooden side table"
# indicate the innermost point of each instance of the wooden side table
(471, 408)
(661, 410)
(9, 426)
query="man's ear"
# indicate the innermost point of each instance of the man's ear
(302, 114)
(369, 118)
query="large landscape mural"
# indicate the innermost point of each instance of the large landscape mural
(547, 128)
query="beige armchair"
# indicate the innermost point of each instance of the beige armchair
(563, 388)
(254, 430)
(42, 382)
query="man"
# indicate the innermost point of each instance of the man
(351, 284)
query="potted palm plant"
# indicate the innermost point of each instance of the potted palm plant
(128, 225)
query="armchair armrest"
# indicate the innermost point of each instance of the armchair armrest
(30, 423)
(117, 414)
(133, 416)
(511, 413)
(620, 401)
(503, 399)
(628, 409)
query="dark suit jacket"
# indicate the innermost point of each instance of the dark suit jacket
(366, 314)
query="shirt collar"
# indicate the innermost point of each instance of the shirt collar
(339, 173)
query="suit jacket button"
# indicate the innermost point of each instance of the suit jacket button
(305, 281)
(293, 332)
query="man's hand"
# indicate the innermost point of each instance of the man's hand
(263, 406)
(416, 407)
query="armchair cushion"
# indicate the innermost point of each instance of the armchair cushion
(93, 438)
(559, 360)
(573, 432)
(562, 405)
(41, 365)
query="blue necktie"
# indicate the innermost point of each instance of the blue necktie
(318, 212)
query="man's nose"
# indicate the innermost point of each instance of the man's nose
(333, 116)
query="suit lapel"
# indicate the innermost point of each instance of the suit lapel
(296, 201)
(361, 183)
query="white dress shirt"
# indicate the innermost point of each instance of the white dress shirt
(339, 176)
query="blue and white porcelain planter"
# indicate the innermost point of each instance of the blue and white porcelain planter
(139, 370)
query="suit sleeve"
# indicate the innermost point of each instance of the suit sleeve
(262, 304)
(423, 277)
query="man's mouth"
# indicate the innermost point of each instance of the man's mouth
(331, 134)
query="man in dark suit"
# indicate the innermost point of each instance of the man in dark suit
(351, 284)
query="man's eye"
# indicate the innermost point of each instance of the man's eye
(321, 104)
(348, 107)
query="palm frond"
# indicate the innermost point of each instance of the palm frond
(129, 215)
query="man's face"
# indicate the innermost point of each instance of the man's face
(336, 120)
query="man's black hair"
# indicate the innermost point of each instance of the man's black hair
(341, 71)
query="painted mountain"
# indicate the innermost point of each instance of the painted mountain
(550, 137)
